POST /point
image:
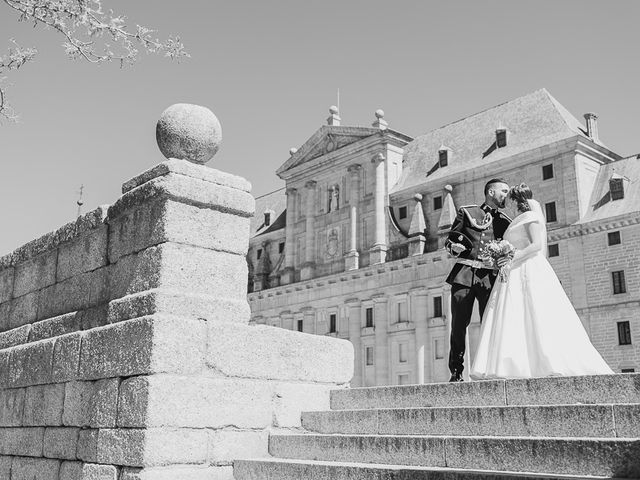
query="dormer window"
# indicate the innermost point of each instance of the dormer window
(268, 217)
(402, 212)
(443, 157)
(501, 137)
(616, 187)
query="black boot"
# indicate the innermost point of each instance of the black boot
(456, 377)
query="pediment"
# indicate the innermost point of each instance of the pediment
(326, 140)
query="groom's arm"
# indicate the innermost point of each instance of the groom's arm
(456, 249)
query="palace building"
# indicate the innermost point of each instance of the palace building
(352, 246)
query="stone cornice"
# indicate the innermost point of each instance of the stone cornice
(594, 226)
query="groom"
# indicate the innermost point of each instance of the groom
(470, 278)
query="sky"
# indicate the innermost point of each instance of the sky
(270, 70)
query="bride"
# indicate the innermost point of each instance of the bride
(530, 328)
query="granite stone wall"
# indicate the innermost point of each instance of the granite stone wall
(125, 348)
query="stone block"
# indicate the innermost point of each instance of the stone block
(5, 310)
(11, 407)
(61, 442)
(226, 445)
(43, 405)
(92, 471)
(6, 284)
(35, 273)
(26, 442)
(23, 310)
(139, 448)
(291, 399)
(181, 268)
(627, 420)
(82, 254)
(92, 404)
(183, 472)
(15, 336)
(341, 421)
(25, 468)
(55, 326)
(5, 467)
(71, 471)
(66, 357)
(180, 304)
(94, 317)
(170, 221)
(76, 293)
(166, 400)
(5, 355)
(145, 345)
(260, 351)
(188, 169)
(31, 364)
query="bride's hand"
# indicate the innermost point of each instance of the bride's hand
(501, 262)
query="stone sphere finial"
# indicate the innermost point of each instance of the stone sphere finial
(448, 188)
(333, 110)
(379, 113)
(417, 197)
(188, 132)
(292, 150)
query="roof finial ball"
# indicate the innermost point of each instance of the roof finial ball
(379, 113)
(333, 110)
(188, 132)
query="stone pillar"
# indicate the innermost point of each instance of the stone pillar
(351, 259)
(378, 252)
(417, 228)
(419, 314)
(286, 317)
(308, 267)
(382, 342)
(355, 328)
(309, 320)
(287, 275)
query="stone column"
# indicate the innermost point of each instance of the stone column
(308, 267)
(419, 316)
(351, 259)
(378, 252)
(355, 328)
(287, 275)
(382, 342)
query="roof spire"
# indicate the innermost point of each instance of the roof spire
(80, 201)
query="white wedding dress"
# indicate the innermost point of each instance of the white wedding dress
(530, 328)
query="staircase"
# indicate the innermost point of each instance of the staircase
(543, 428)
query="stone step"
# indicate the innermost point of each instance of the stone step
(279, 469)
(613, 421)
(552, 456)
(592, 389)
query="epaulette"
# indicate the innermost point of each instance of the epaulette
(470, 206)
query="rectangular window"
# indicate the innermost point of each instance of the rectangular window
(368, 353)
(554, 250)
(368, 315)
(501, 138)
(259, 253)
(628, 370)
(403, 379)
(616, 187)
(547, 171)
(332, 323)
(550, 210)
(624, 333)
(281, 247)
(300, 325)
(443, 158)
(402, 213)
(613, 238)
(437, 306)
(437, 202)
(401, 312)
(619, 285)
(402, 352)
(439, 349)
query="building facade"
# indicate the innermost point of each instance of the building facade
(352, 246)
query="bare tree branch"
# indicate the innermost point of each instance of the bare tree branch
(90, 34)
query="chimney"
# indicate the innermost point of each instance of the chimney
(334, 118)
(592, 126)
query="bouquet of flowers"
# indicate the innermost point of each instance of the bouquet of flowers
(494, 251)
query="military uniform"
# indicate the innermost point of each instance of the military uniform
(469, 279)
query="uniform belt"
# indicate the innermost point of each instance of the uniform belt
(473, 263)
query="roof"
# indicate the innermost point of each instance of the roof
(276, 201)
(531, 121)
(601, 204)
